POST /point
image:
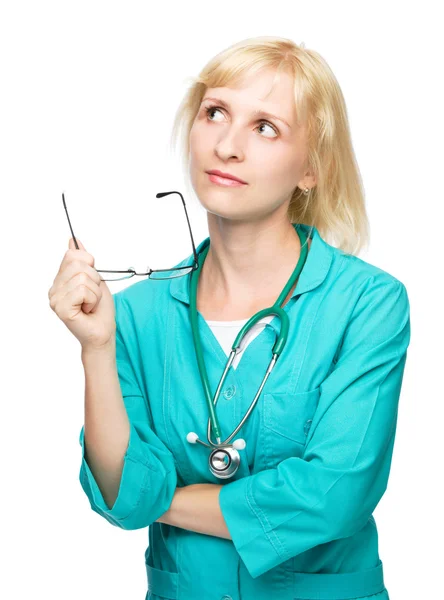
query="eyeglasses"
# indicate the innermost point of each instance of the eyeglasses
(151, 273)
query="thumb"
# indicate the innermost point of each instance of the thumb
(79, 243)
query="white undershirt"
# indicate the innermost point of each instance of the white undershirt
(226, 332)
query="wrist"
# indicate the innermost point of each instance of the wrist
(107, 350)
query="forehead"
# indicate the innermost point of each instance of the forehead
(261, 91)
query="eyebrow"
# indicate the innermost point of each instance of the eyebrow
(256, 112)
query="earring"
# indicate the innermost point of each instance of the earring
(306, 191)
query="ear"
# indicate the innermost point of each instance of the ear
(309, 181)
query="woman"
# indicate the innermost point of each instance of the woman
(295, 519)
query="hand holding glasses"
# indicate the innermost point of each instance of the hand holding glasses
(85, 304)
(151, 273)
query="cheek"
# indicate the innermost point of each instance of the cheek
(196, 153)
(275, 169)
(286, 169)
(192, 141)
(199, 135)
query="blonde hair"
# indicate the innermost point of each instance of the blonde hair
(335, 205)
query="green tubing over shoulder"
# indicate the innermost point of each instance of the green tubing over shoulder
(197, 343)
(276, 309)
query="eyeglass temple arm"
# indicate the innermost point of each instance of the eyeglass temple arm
(160, 195)
(72, 232)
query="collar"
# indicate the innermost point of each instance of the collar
(315, 270)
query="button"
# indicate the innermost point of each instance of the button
(226, 598)
(230, 392)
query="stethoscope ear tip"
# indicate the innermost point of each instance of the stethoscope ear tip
(192, 438)
(239, 444)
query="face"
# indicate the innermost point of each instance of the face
(266, 153)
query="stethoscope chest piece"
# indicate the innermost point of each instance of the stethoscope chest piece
(224, 462)
(224, 459)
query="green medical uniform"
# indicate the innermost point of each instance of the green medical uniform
(319, 440)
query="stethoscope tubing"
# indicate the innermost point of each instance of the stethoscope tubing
(278, 346)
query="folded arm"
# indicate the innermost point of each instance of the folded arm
(332, 490)
(196, 508)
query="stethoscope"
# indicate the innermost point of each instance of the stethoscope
(224, 459)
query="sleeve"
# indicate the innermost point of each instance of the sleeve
(149, 475)
(331, 491)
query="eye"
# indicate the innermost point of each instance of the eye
(211, 109)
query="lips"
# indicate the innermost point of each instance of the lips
(226, 175)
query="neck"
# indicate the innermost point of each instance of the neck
(247, 265)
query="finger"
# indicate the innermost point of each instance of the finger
(70, 271)
(72, 254)
(83, 296)
(73, 246)
(78, 293)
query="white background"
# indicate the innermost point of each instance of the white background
(88, 92)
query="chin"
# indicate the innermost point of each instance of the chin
(222, 205)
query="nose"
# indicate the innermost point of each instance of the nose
(230, 145)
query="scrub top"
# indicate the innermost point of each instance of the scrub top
(319, 441)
